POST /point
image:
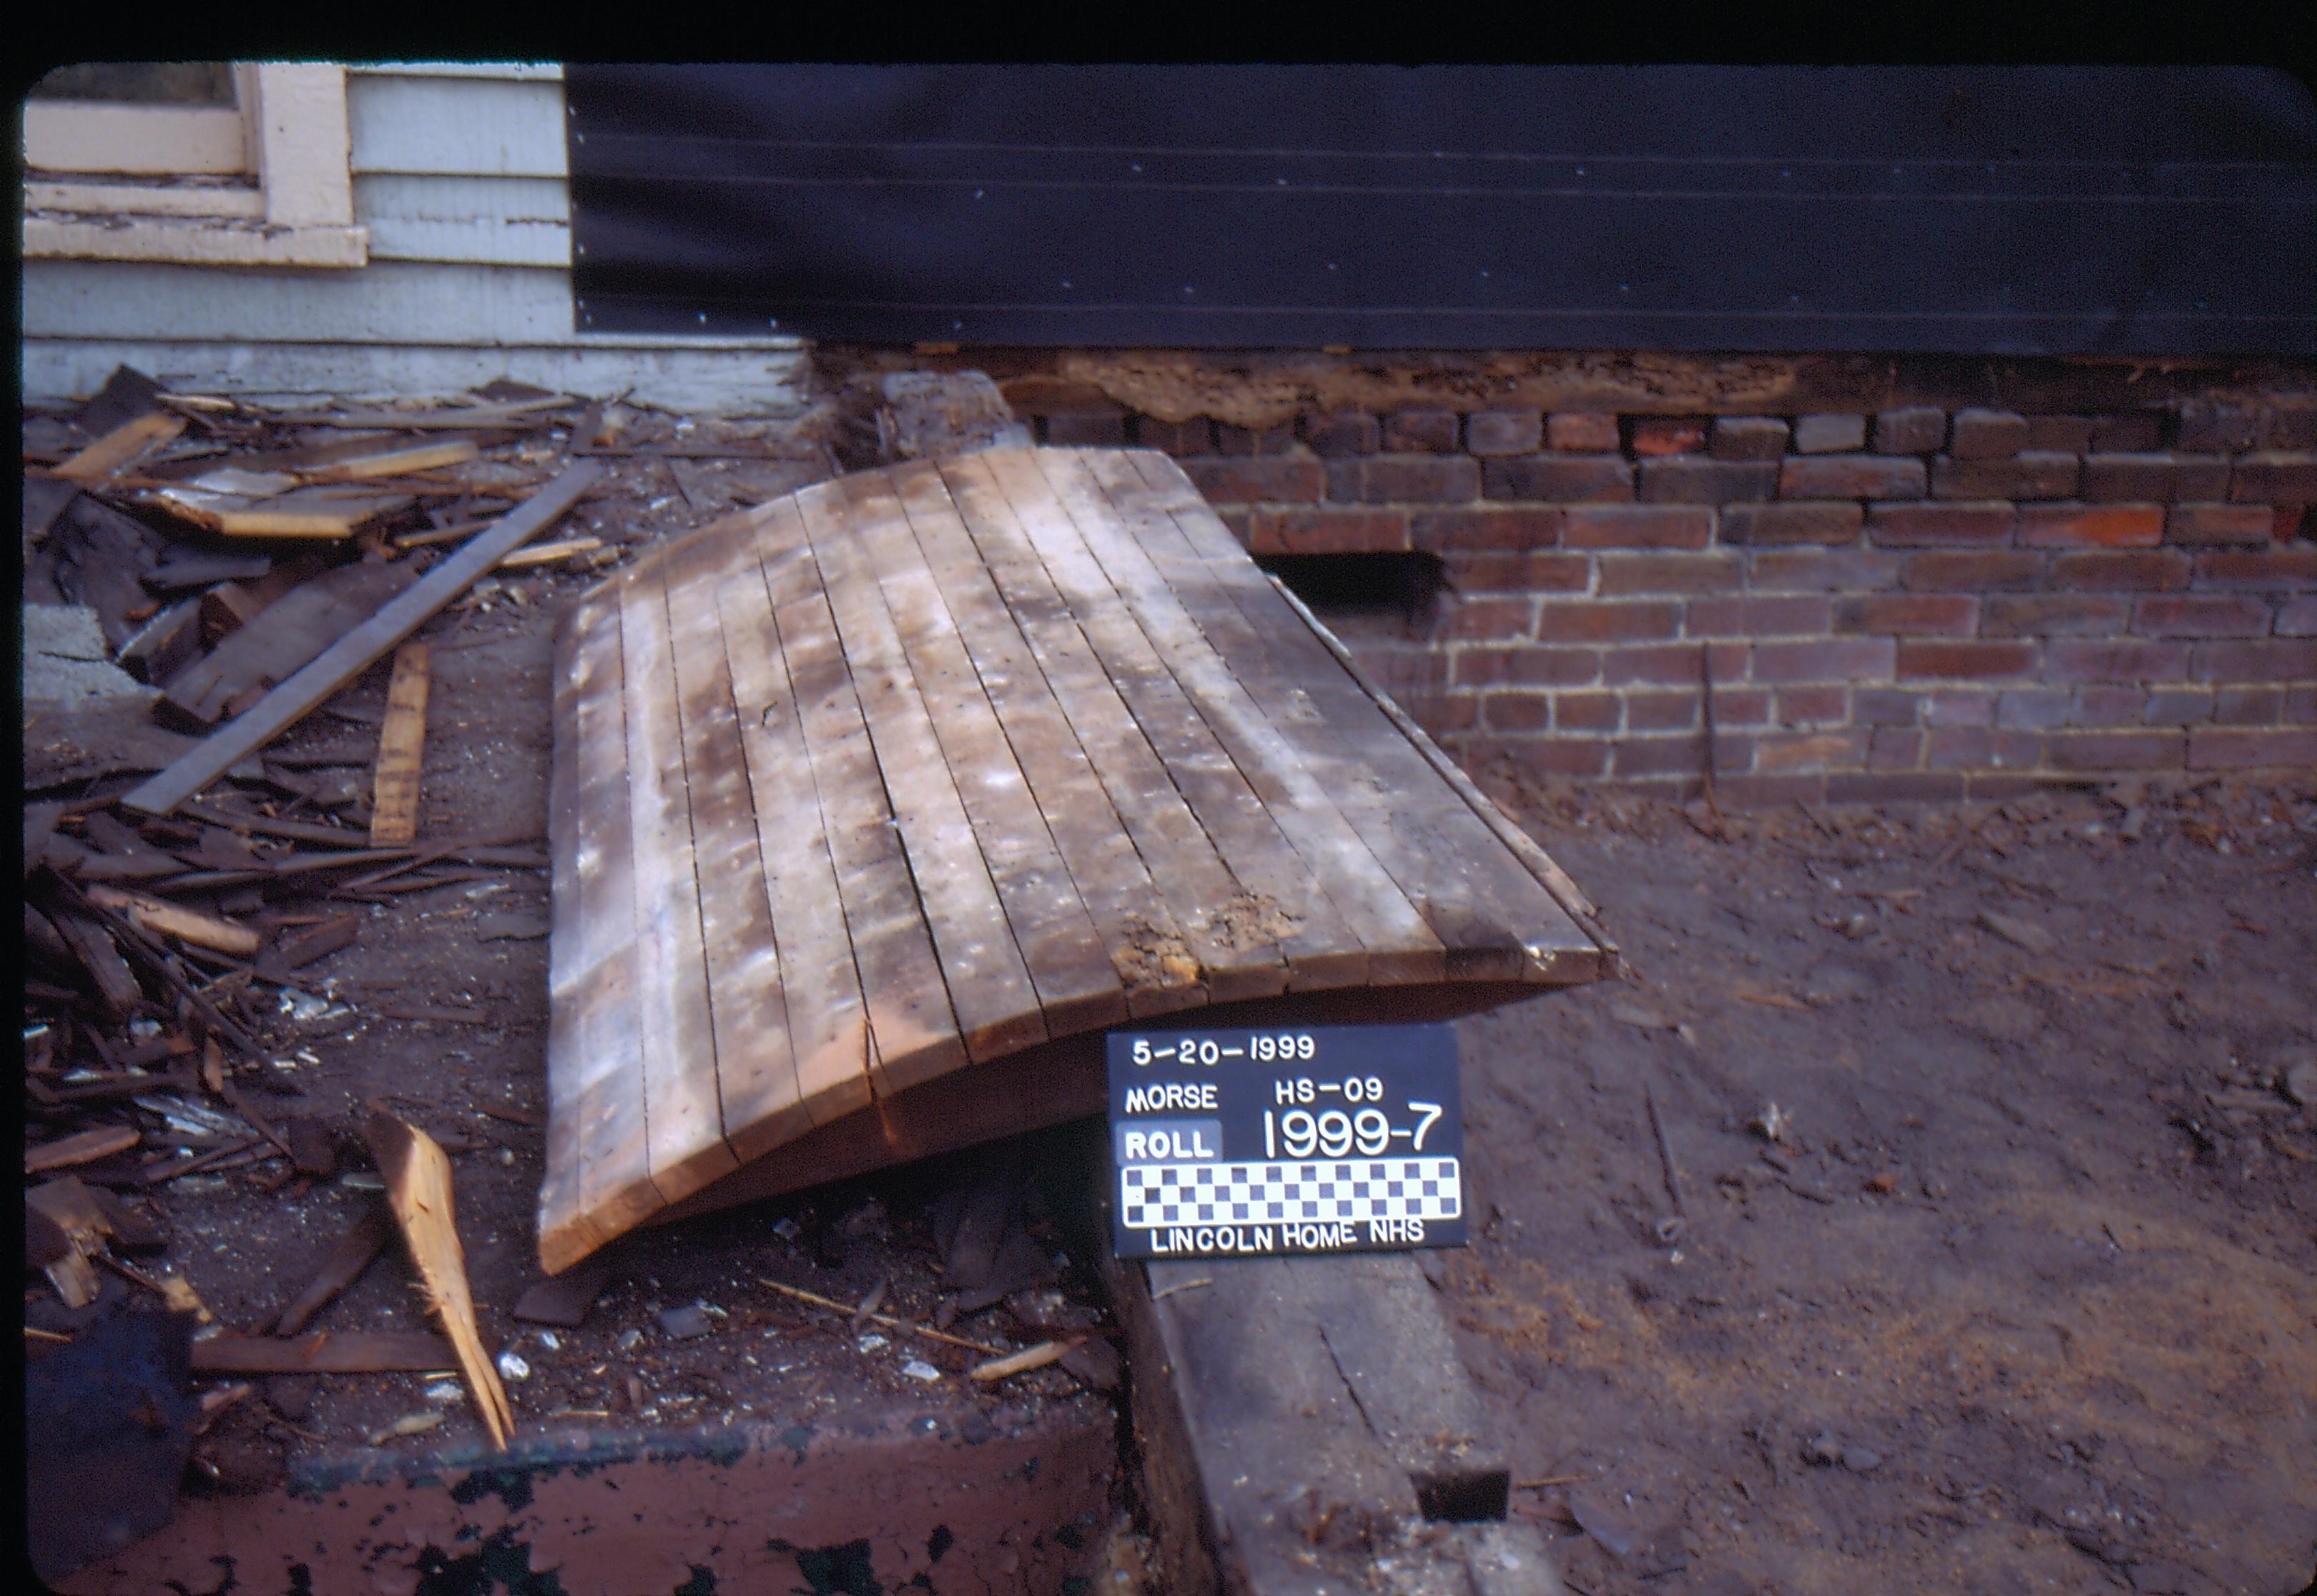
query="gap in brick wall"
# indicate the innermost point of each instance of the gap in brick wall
(1370, 596)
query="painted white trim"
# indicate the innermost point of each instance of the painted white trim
(506, 71)
(194, 241)
(129, 198)
(132, 140)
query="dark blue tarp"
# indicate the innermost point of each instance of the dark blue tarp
(2025, 210)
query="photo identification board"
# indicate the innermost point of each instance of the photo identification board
(1286, 1139)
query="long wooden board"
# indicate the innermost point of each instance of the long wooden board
(401, 750)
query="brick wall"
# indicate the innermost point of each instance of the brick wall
(1919, 601)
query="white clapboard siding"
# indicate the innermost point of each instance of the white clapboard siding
(513, 71)
(456, 126)
(490, 221)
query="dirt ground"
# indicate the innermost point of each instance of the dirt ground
(2024, 1294)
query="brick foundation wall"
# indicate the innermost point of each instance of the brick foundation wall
(1921, 600)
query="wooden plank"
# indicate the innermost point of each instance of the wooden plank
(401, 750)
(828, 1021)
(119, 445)
(285, 636)
(757, 1084)
(1067, 957)
(1322, 946)
(685, 1133)
(170, 920)
(913, 1033)
(1148, 948)
(395, 462)
(990, 987)
(355, 652)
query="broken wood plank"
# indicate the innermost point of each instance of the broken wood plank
(93, 945)
(278, 640)
(541, 554)
(164, 918)
(338, 932)
(401, 748)
(124, 443)
(395, 462)
(84, 1147)
(323, 1351)
(347, 1262)
(355, 652)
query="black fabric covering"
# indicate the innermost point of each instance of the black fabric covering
(1999, 210)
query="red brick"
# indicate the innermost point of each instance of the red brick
(2220, 523)
(2201, 615)
(1887, 706)
(1582, 434)
(1831, 659)
(1813, 706)
(1327, 531)
(2154, 570)
(1484, 526)
(2219, 427)
(1670, 573)
(1982, 434)
(2154, 479)
(2274, 570)
(1915, 429)
(1414, 667)
(2263, 659)
(2066, 434)
(2218, 748)
(1894, 748)
(1978, 525)
(1175, 437)
(1444, 712)
(1243, 440)
(1404, 478)
(1568, 756)
(2301, 706)
(1422, 431)
(1978, 570)
(1893, 786)
(1090, 428)
(1829, 434)
(1984, 787)
(1820, 570)
(1952, 706)
(1340, 433)
(1277, 480)
(1982, 748)
(1661, 711)
(1576, 622)
(1517, 712)
(1588, 711)
(2098, 526)
(1234, 521)
(1637, 526)
(1974, 660)
(1835, 521)
(1673, 664)
(2177, 706)
(1659, 434)
(2052, 614)
(1527, 667)
(2117, 751)
(1850, 477)
(2108, 706)
(1778, 754)
(2140, 429)
(1488, 618)
(1518, 572)
(1689, 479)
(2249, 706)
(2071, 659)
(2298, 619)
(2274, 476)
(1559, 478)
(2038, 475)
(1760, 617)
(1504, 432)
(1748, 438)
(1949, 615)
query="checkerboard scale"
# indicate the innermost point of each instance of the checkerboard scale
(1154, 1195)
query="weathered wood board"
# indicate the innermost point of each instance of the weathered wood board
(876, 804)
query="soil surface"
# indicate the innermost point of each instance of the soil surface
(2022, 1292)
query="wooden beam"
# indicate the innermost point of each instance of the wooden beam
(119, 445)
(359, 650)
(401, 744)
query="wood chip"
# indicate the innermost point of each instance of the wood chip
(1024, 1360)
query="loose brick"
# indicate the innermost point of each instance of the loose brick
(2074, 659)
(1231, 440)
(2177, 706)
(1487, 618)
(2298, 619)
(1674, 665)
(1892, 786)
(1689, 479)
(1893, 748)
(1327, 531)
(1715, 572)
(2249, 706)
(1799, 615)
(1404, 478)
(2032, 709)
(1780, 755)
(2263, 659)
(2116, 751)
(1914, 428)
(2223, 748)
(1850, 477)
(1813, 706)
(1578, 433)
(1090, 428)
(1886, 706)
(1949, 707)
(1562, 621)
(2113, 570)
(2052, 614)
(1177, 438)
(1668, 435)
(1831, 659)
(1600, 477)
(1829, 434)
(1661, 711)
(2068, 435)
(1422, 431)
(2140, 430)
(1588, 711)
(1527, 666)
(1274, 480)
(2036, 475)
(2274, 476)
(1979, 659)
(2217, 428)
(1982, 434)
(1518, 572)
(1637, 526)
(2107, 705)
(1748, 438)
(1340, 433)
(2206, 524)
(1800, 522)
(2201, 615)
(2093, 526)
(1946, 615)
(2154, 479)
(1517, 712)
(1976, 570)
(1821, 570)
(1982, 748)
(1483, 527)
(1504, 432)
(1965, 525)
